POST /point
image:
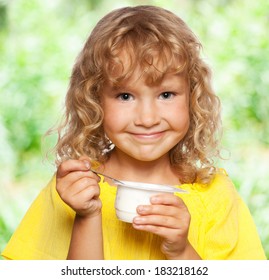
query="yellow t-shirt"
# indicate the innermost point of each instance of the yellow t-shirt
(221, 226)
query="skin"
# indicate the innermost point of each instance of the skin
(144, 122)
(78, 187)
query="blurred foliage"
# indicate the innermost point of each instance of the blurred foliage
(39, 41)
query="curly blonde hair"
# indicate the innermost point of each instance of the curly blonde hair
(151, 36)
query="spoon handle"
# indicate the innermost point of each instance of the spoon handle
(109, 177)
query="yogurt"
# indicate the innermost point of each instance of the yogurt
(131, 194)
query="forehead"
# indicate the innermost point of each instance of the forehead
(169, 81)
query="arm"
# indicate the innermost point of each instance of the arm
(86, 241)
(78, 187)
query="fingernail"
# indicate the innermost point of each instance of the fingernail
(154, 199)
(140, 209)
(87, 164)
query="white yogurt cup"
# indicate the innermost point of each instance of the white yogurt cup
(131, 194)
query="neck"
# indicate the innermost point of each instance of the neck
(123, 167)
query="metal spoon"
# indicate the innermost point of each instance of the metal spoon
(109, 177)
(123, 184)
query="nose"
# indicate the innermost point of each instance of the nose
(147, 115)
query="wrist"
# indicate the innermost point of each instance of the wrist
(88, 217)
(186, 253)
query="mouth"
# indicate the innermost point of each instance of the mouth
(151, 135)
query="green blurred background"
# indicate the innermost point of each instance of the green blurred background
(39, 41)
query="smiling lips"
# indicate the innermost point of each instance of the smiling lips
(150, 136)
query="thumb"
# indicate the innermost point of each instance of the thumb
(86, 160)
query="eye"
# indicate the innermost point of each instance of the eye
(125, 96)
(167, 95)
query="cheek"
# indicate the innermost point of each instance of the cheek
(180, 117)
(114, 119)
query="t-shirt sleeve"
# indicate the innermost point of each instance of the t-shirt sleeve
(45, 231)
(230, 232)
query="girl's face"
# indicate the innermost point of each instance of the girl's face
(145, 122)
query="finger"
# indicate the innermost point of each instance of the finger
(65, 184)
(72, 165)
(167, 199)
(86, 188)
(165, 210)
(83, 184)
(85, 158)
(83, 190)
(158, 220)
(163, 215)
(168, 228)
(171, 233)
(86, 201)
(77, 175)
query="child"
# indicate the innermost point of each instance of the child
(140, 108)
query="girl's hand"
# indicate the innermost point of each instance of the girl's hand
(168, 217)
(78, 187)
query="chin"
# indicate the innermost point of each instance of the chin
(149, 157)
